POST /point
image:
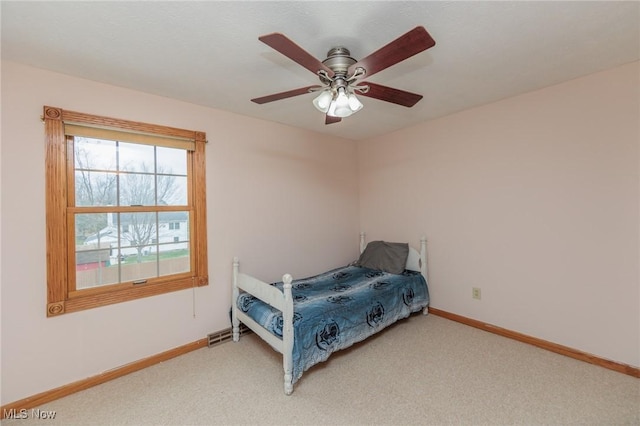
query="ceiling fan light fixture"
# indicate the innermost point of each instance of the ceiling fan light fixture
(323, 101)
(332, 110)
(341, 111)
(344, 104)
(354, 103)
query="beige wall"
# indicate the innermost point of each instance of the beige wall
(282, 199)
(534, 199)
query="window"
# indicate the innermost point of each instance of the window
(126, 213)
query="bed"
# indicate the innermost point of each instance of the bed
(307, 320)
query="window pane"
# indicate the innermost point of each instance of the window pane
(134, 157)
(94, 185)
(95, 230)
(95, 188)
(174, 258)
(94, 268)
(136, 247)
(173, 242)
(141, 189)
(172, 225)
(94, 154)
(94, 237)
(137, 189)
(171, 161)
(141, 231)
(134, 270)
(172, 190)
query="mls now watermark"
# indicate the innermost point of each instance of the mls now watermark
(34, 413)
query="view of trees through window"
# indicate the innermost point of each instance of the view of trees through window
(131, 220)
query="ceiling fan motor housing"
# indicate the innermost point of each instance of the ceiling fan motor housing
(339, 60)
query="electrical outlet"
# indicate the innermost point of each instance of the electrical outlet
(475, 293)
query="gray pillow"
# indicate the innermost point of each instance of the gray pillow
(384, 256)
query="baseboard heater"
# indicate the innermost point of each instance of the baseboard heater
(214, 339)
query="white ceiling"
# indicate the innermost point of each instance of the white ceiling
(208, 53)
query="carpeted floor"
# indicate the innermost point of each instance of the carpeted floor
(423, 370)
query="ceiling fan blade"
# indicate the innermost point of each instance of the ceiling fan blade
(284, 95)
(329, 119)
(390, 94)
(294, 52)
(405, 46)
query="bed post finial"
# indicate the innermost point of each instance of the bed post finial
(363, 243)
(236, 268)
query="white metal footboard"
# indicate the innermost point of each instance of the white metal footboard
(281, 300)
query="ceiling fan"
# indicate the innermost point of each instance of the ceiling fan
(339, 73)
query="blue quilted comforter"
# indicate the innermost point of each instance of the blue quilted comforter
(338, 308)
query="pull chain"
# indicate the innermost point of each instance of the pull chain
(193, 292)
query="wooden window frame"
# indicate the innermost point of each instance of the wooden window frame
(61, 298)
